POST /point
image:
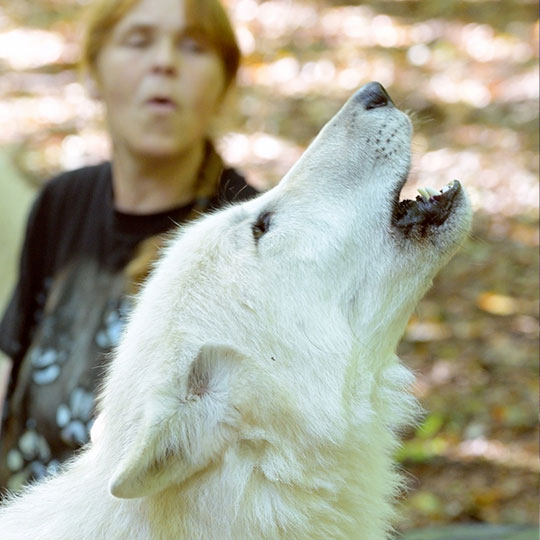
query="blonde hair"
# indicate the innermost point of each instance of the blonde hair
(209, 15)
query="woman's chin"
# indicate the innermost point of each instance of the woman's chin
(160, 147)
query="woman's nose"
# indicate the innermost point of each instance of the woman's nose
(165, 58)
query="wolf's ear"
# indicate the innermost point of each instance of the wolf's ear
(182, 434)
(147, 467)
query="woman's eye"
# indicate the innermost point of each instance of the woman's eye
(193, 44)
(136, 39)
(262, 225)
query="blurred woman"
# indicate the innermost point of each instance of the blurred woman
(162, 69)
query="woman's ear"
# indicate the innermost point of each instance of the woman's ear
(92, 87)
(224, 117)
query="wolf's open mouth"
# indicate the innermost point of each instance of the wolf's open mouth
(430, 209)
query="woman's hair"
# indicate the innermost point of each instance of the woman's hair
(208, 15)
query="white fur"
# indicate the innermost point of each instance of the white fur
(256, 394)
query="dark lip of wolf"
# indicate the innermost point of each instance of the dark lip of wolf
(430, 209)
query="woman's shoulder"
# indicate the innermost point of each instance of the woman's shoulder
(74, 190)
(80, 181)
(68, 198)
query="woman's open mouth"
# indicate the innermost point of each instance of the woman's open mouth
(161, 103)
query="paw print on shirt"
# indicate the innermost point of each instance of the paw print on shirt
(75, 418)
(46, 364)
(30, 459)
(110, 332)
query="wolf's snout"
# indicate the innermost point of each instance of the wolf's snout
(373, 95)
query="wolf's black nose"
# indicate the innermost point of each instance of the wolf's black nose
(373, 95)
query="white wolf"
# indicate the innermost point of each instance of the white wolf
(256, 393)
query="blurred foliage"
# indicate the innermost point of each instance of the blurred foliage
(468, 72)
(473, 343)
(475, 532)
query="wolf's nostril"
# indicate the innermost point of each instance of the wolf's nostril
(376, 100)
(373, 95)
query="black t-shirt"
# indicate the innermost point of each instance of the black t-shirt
(80, 262)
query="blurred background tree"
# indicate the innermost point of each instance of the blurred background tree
(468, 73)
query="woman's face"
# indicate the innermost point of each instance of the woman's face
(160, 80)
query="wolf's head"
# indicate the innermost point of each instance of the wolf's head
(257, 311)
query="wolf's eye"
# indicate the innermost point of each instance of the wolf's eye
(262, 225)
